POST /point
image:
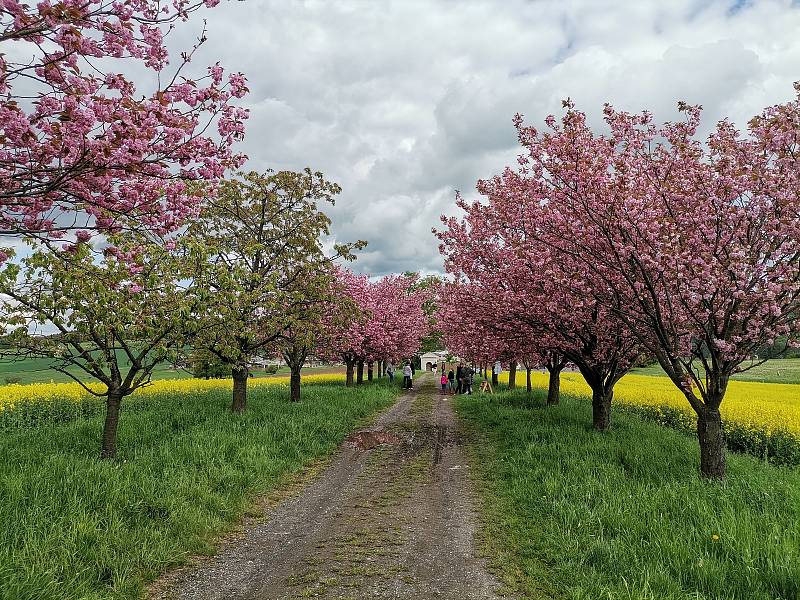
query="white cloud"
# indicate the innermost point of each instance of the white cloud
(402, 102)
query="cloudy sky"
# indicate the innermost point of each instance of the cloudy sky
(403, 102)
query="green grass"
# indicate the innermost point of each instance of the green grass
(72, 526)
(572, 513)
(38, 370)
(779, 370)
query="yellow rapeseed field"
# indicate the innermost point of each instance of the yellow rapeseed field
(47, 392)
(767, 407)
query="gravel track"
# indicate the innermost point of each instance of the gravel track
(390, 517)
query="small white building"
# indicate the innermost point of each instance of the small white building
(431, 359)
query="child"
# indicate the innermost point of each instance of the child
(444, 383)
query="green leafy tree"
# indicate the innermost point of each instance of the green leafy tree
(106, 320)
(265, 265)
(434, 340)
(334, 311)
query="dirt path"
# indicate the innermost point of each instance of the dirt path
(391, 517)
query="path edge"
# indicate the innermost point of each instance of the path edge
(488, 535)
(259, 509)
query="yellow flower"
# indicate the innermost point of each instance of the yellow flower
(15, 393)
(757, 407)
(715, 537)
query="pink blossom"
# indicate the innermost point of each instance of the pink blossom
(116, 146)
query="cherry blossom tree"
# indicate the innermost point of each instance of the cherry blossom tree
(392, 325)
(479, 330)
(694, 246)
(524, 284)
(97, 130)
(398, 320)
(342, 340)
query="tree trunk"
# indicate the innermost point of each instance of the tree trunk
(294, 385)
(494, 378)
(295, 357)
(113, 403)
(369, 370)
(554, 386)
(528, 385)
(712, 444)
(239, 374)
(601, 409)
(360, 373)
(512, 375)
(349, 380)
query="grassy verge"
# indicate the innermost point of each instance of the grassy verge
(779, 447)
(570, 513)
(73, 527)
(762, 419)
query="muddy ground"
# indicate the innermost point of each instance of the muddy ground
(390, 517)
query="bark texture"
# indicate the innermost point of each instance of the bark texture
(239, 374)
(512, 375)
(294, 385)
(113, 404)
(601, 409)
(711, 436)
(554, 386)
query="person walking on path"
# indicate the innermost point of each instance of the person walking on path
(459, 379)
(408, 375)
(444, 382)
(451, 380)
(390, 372)
(469, 373)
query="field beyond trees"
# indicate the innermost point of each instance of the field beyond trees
(782, 370)
(39, 370)
(760, 418)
